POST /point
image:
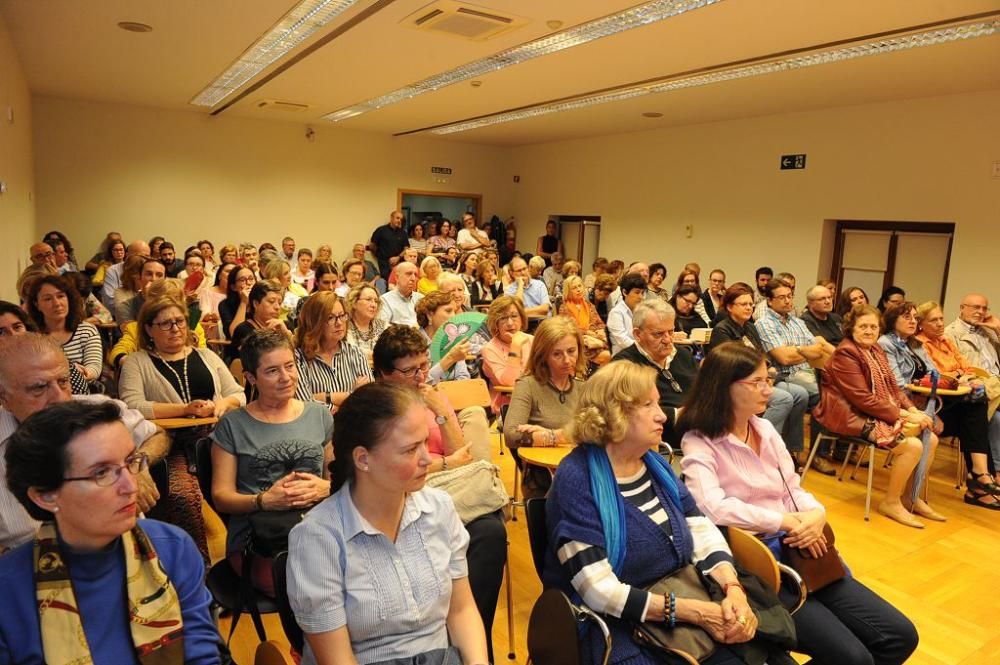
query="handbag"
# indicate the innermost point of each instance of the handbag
(815, 572)
(475, 489)
(682, 639)
(269, 530)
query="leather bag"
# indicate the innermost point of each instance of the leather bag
(475, 489)
(682, 639)
(816, 573)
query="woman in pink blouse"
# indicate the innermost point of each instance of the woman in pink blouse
(506, 354)
(740, 472)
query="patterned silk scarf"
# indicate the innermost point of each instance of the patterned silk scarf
(154, 610)
(884, 389)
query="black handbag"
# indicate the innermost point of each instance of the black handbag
(269, 530)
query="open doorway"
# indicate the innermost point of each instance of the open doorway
(580, 236)
(420, 207)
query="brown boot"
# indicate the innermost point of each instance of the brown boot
(824, 466)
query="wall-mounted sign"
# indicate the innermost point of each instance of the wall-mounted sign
(440, 170)
(793, 162)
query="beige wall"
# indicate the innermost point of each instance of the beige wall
(17, 208)
(188, 176)
(918, 160)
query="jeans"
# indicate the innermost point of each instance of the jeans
(846, 623)
(785, 409)
(486, 556)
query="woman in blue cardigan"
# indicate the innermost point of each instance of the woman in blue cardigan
(96, 585)
(619, 521)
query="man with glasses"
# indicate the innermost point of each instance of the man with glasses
(711, 297)
(33, 374)
(976, 333)
(42, 255)
(676, 369)
(819, 316)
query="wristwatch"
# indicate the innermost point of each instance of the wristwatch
(440, 420)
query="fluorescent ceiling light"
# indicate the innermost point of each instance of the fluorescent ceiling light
(636, 17)
(858, 50)
(292, 29)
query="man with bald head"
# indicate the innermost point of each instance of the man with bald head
(34, 373)
(43, 256)
(388, 242)
(819, 316)
(976, 333)
(113, 275)
(399, 305)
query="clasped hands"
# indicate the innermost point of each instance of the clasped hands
(298, 489)
(806, 533)
(729, 622)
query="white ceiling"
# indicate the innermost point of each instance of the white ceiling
(74, 49)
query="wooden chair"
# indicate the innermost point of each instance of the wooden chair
(756, 557)
(272, 653)
(236, 368)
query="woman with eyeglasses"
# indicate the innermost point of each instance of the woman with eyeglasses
(363, 324)
(168, 377)
(685, 301)
(787, 403)
(506, 354)
(96, 585)
(545, 398)
(330, 367)
(739, 471)
(273, 454)
(861, 398)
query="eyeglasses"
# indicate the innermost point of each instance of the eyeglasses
(978, 308)
(691, 302)
(43, 255)
(246, 280)
(337, 318)
(108, 475)
(787, 296)
(759, 384)
(676, 387)
(180, 323)
(411, 372)
(509, 317)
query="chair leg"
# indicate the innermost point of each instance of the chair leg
(812, 455)
(510, 608)
(847, 459)
(871, 475)
(514, 500)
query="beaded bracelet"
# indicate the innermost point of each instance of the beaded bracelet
(673, 609)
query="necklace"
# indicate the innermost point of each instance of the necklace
(365, 335)
(562, 393)
(185, 387)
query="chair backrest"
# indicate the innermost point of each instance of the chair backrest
(751, 553)
(466, 392)
(553, 637)
(279, 570)
(236, 367)
(203, 471)
(538, 533)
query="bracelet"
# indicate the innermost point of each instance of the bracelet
(444, 463)
(329, 398)
(670, 609)
(552, 437)
(258, 501)
(725, 588)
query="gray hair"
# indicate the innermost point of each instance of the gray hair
(537, 262)
(19, 347)
(652, 307)
(813, 293)
(449, 277)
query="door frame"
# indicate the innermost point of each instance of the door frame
(478, 198)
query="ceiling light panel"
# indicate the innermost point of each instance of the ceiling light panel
(859, 50)
(300, 23)
(635, 17)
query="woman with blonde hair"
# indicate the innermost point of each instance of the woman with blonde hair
(545, 398)
(619, 520)
(330, 367)
(506, 354)
(363, 323)
(576, 307)
(280, 273)
(430, 270)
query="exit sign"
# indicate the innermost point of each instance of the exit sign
(440, 170)
(789, 162)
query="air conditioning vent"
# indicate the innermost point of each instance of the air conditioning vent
(463, 20)
(281, 105)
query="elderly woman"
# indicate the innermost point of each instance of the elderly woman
(739, 471)
(378, 479)
(788, 401)
(657, 275)
(271, 455)
(860, 398)
(487, 287)
(363, 324)
(949, 360)
(506, 354)
(96, 585)
(544, 399)
(57, 310)
(850, 298)
(353, 274)
(169, 378)
(432, 313)
(228, 254)
(329, 366)
(619, 520)
(430, 270)
(324, 254)
(576, 306)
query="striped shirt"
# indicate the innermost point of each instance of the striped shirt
(84, 347)
(338, 376)
(16, 526)
(590, 571)
(778, 331)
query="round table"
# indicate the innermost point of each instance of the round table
(547, 458)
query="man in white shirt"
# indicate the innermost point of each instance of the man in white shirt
(552, 276)
(471, 238)
(399, 305)
(33, 374)
(113, 275)
(620, 335)
(976, 333)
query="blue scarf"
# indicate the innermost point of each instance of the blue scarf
(611, 503)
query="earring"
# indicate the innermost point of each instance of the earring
(54, 509)
(366, 467)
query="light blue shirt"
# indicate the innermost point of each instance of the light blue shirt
(393, 597)
(535, 293)
(777, 331)
(397, 309)
(620, 327)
